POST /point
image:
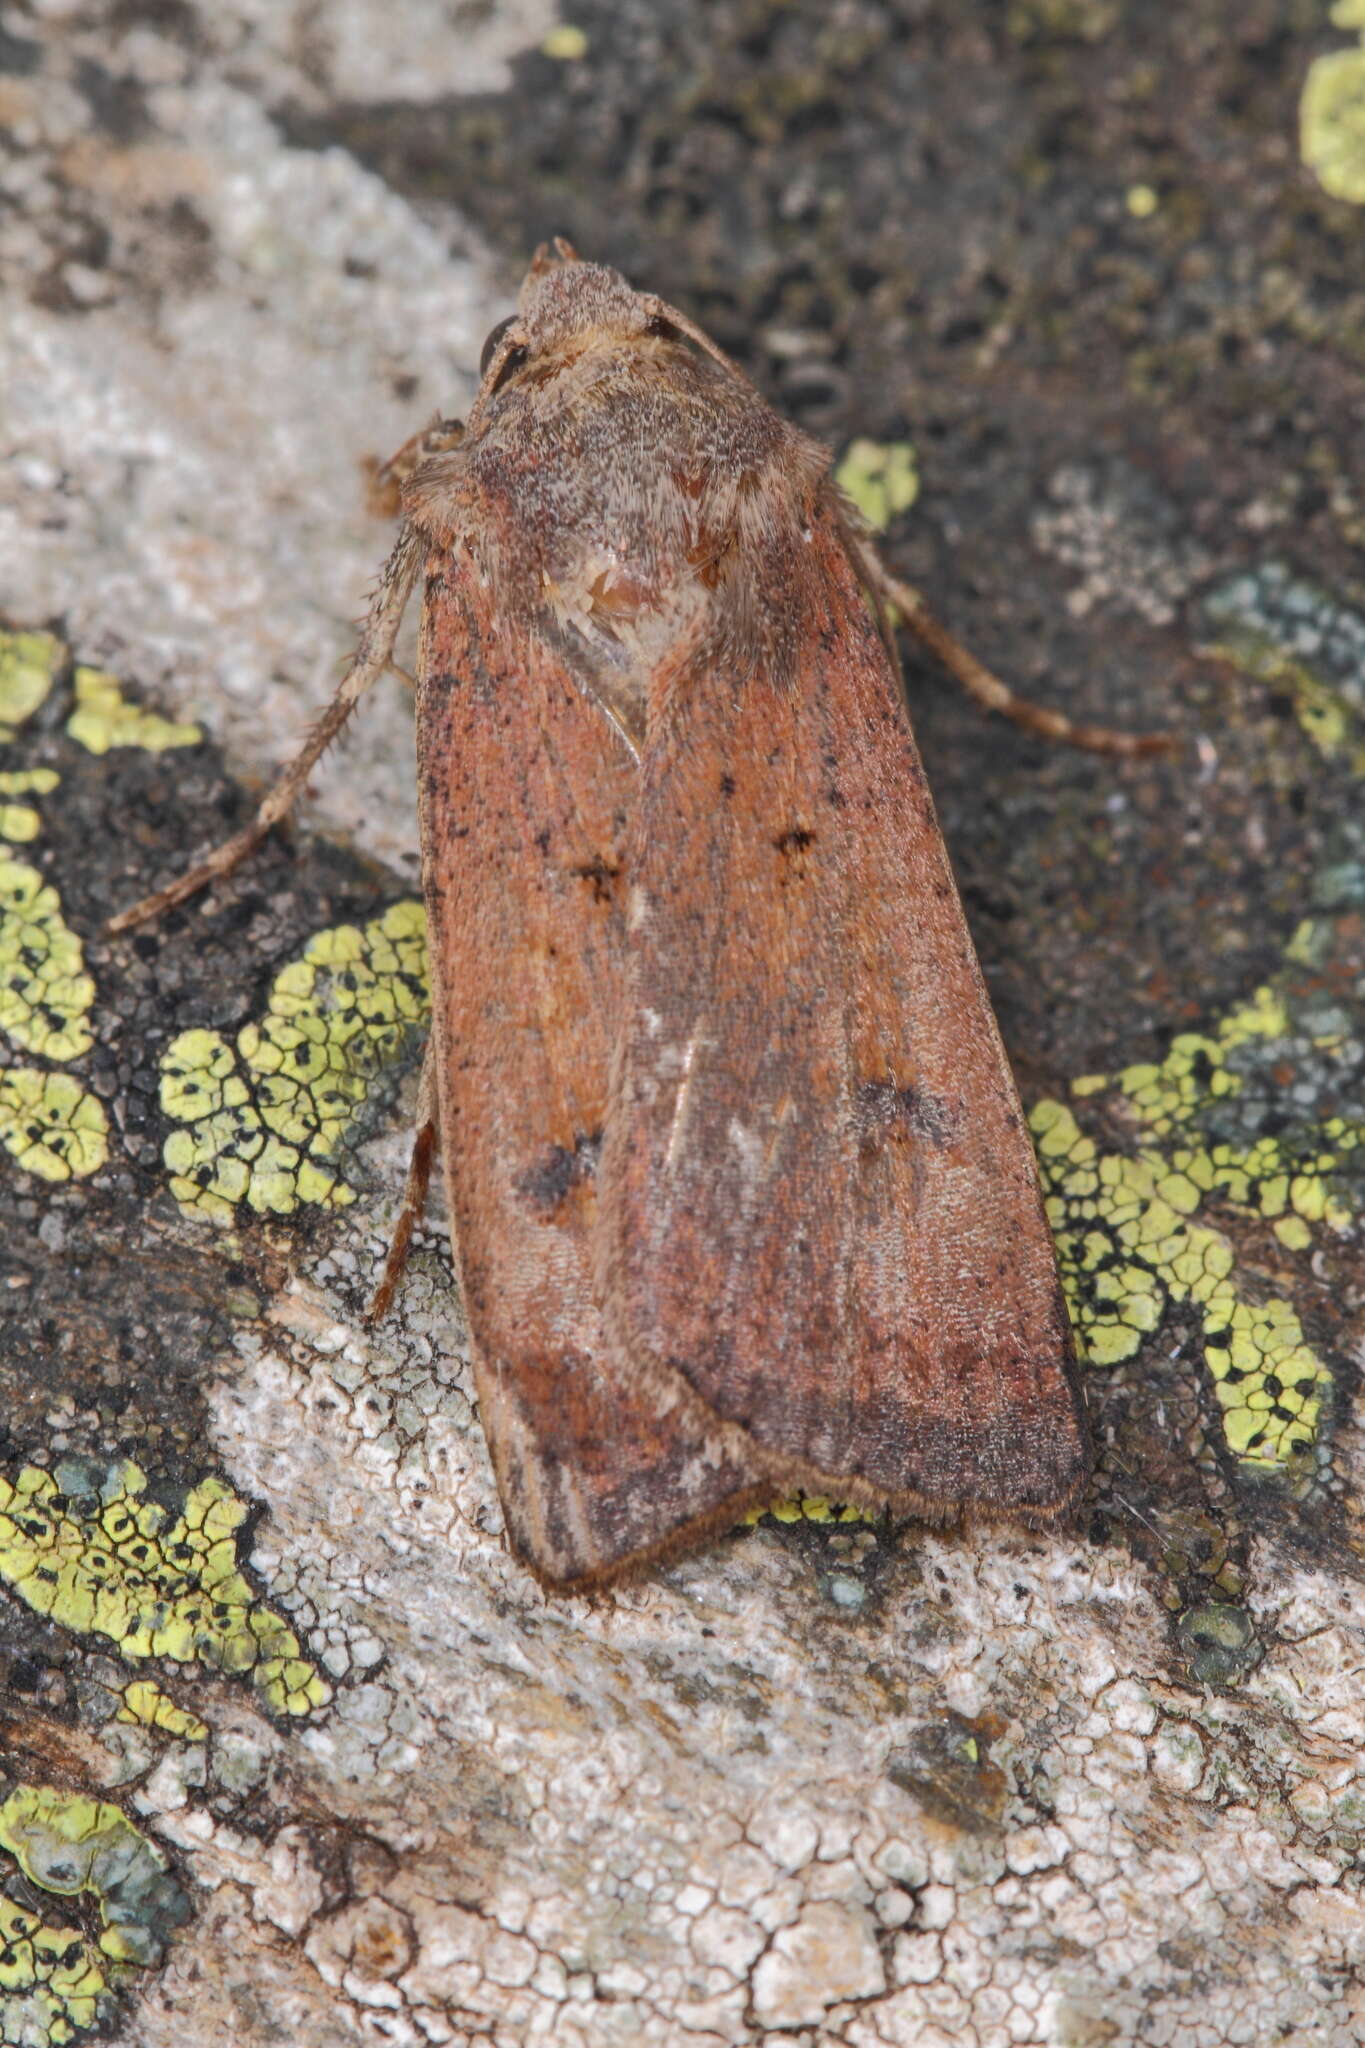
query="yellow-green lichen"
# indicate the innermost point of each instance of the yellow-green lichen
(147, 1706)
(45, 993)
(28, 664)
(90, 1550)
(1128, 1247)
(566, 43)
(1326, 719)
(1127, 1251)
(880, 478)
(1332, 113)
(1265, 1176)
(52, 1985)
(103, 718)
(21, 822)
(265, 1119)
(808, 1507)
(1082, 21)
(54, 1128)
(71, 1845)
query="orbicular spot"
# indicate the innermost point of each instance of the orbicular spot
(882, 1112)
(601, 876)
(559, 1169)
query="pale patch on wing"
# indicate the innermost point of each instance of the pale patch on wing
(681, 1098)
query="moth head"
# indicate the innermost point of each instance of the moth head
(567, 306)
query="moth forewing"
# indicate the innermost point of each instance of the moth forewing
(526, 792)
(818, 1204)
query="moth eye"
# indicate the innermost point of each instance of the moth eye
(490, 347)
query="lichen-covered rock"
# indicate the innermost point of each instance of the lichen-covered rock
(292, 1748)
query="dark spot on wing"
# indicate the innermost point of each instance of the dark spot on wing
(881, 1111)
(560, 1168)
(601, 875)
(794, 840)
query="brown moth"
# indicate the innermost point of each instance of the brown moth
(742, 1196)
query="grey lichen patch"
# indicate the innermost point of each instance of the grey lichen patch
(1220, 1641)
(1127, 541)
(867, 1842)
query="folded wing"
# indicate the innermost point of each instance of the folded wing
(818, 1209)
(526, 794)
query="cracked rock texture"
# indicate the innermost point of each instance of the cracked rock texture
(824, 1782)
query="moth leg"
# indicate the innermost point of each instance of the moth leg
(386, 479)
(424, 1148)
(979, 681)
(377, 636)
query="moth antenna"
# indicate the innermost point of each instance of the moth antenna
(425, 1144)
(661, 310)
(372, 657)
(979, 681)
(550, 255)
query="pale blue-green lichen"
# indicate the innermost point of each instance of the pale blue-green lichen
(71, 1845)
(1284, 630)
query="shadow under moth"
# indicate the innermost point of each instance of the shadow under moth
(742, 1197)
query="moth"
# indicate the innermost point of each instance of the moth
(742, 1196)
